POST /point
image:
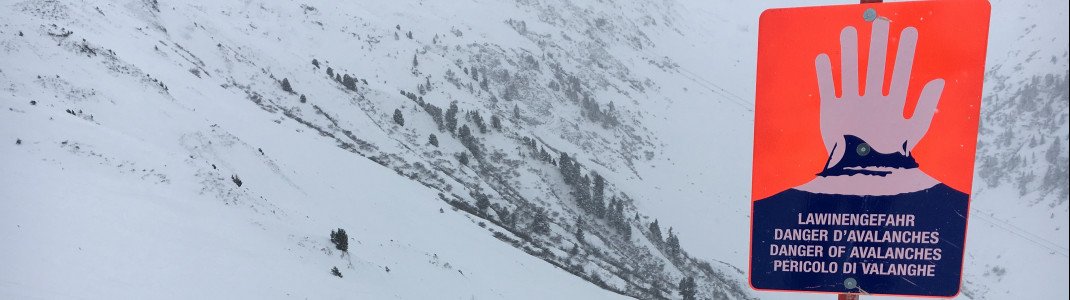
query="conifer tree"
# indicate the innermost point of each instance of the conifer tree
(432, 140)
(540, 223)
(398, 117)
(687, 288)
(565, 165)
(335, 272)
(286, 85)
(655, 289)
(655, 231)
(496, 122)
(451, 117)
(579, 230)
(436, 115)
(478, 120)
(340, 239)
(464, 133)
(598, 195)
(482, 201)
(463, 158)
(673, 244)
(582, 192)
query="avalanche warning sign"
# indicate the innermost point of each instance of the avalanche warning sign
(865, 127)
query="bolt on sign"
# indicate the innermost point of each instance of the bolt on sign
(865, 129)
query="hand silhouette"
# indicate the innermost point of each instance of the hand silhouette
(872, 116)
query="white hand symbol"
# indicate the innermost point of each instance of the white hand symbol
(874, 117)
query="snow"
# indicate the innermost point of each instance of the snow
(130, 206)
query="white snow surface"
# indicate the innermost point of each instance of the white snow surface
(136, 202)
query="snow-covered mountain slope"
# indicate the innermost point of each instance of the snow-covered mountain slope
(1018, 230)
(576, 126)
(93, 212)
(139, 119)
(119, 185)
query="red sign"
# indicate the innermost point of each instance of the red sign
(865, 130)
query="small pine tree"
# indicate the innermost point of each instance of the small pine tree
(598, 195)
(579, 230)
(340, 239)
(673, 243)
(482, 201)
(286, 85)
(463, 158)
(516, 112)
(655, 289)
(468, 140)
(582, 192)
(451, 117)
(655, 231)
(316, 63)
(303, 99)
(349, 82)
(540, 223)
(436, 115)
(565, 165)
(496, 122)
(432, 140)
(335, 272)
(478, 120)
(398, 117)
(687, 288)
(465, 134)
(330, 72)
